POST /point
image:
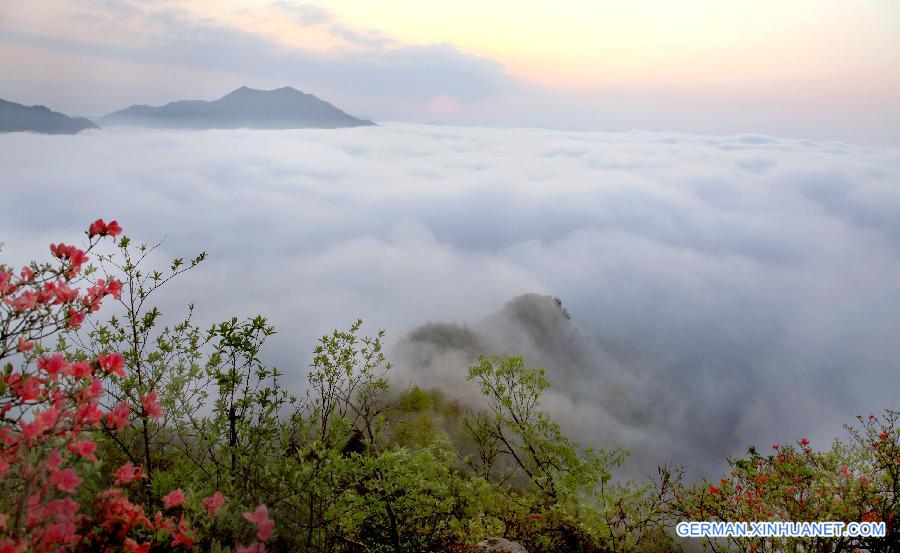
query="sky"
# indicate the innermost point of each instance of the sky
(821, 69)
(723, 290)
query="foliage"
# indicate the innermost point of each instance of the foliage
(139, 434)
(51, 415)
(569, 499)
(853, 481)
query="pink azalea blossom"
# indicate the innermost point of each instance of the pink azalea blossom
(66, 480)
(173, 499)
(214, 503)
(82, 369)
(114, 288)
(134, 547)
(75, 318)
(128, 473)
(26, 300)
(53, 364)
(264, 525)
(118, 417)
(151, 405)
(113, 229)
(254, 547)
(97, 228)
(84, 449)
(24, 345)
(113, 364)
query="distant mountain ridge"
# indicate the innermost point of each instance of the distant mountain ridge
(17, 117)
(282, 108)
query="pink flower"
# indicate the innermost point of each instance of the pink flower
(58, 250)
(23, 345)
(84, 449)
(26, 387)
(82, 369)
(24, 302)
(182, 534)
(214, 503)
(30, 430)
(95, 390)
(7, 545)
(53, 364)
(54, 460)
(150, 403)
(66, 480)
(263, 523)
(59, 292)
(75, 257)
(114, 288)
(62, 509)
(62, 533)
(133, 547)
(254, 547)
(161, 523)
(118, 417)
(92, 302)
(113, 364)
(97, 228)
(173, 499)
(88, 414)
(117, 513)
(45, 420)
(75, 318)
(128, 473)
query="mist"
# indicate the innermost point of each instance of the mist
(714, 291)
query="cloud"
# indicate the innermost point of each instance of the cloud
(367, 38)
(723, 290)
(376, 75)
(304, 14)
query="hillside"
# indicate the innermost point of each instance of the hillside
(17, 117)
(282, 108)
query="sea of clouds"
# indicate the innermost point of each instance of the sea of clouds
(717, 291)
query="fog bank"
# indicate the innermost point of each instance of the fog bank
(722, 290)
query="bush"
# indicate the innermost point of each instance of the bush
(857, 480)
(56, 494)
(134, 435)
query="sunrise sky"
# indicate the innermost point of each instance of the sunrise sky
(804, 68)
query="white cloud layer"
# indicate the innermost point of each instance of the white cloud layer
(723, 290)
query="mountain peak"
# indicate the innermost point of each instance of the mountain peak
(242, 91)
(17, 117)
(244, 107)
(247, 91)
